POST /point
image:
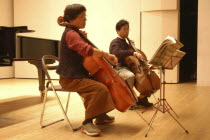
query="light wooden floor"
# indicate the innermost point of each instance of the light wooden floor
(20, 107)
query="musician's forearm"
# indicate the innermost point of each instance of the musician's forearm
(99, 53)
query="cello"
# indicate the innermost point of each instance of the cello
(100, 69)
(146, 81)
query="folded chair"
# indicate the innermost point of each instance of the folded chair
(54, 88)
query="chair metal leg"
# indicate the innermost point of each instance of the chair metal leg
(64, 112)
(43, 108)
(42, 114)
(49, 87)
(62, 108)
(67, 104)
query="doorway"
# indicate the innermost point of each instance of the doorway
(188, 36)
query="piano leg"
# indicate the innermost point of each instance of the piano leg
(41, 74)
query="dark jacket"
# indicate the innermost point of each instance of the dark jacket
(120, 48)
(70, 65)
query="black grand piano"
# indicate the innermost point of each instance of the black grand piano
(32, 50)
(8, 43)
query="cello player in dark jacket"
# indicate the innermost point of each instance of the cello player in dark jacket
(121, 49)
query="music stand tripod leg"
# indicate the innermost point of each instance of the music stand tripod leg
(168, 110)
(143, 118)
(164, 104)
(167, 104)
(153, 118)
(150, 107)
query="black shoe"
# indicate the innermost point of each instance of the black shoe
(144, 102)
(132, 107)
(105, 119)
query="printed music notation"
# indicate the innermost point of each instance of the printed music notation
(168, 54)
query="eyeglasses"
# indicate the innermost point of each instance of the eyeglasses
(82, 16)
(125, 29)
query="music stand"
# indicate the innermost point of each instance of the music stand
(167, 56)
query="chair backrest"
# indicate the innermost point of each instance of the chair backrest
(46, 59)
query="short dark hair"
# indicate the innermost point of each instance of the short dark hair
(121, 23)
(72, 11)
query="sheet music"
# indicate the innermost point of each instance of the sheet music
(177, 56)
(168, 52)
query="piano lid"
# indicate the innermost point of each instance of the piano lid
(18, 29)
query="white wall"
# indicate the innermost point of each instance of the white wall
(159, 19)
(41, 15)
(151, 5)
(102, 15)
(203, 55)
(6, 14)
(6, 72)
(6, 19)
